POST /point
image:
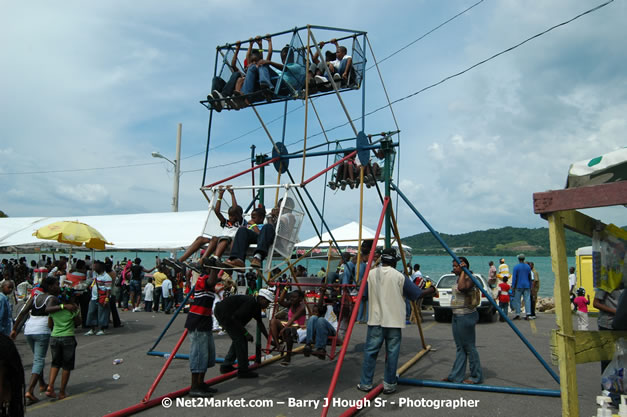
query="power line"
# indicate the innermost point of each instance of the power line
(219, 166)
(427, 33)
(465, 70)
(79, 169)
(384, 59)
(243, 135)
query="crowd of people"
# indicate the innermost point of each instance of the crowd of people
(59, 295)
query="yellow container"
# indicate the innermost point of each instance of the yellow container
(583, 260)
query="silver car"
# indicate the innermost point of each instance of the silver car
(442, 301)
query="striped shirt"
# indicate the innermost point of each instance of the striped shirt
(503, 271)
(201, 311)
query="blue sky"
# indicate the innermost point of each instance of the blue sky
(88, 85)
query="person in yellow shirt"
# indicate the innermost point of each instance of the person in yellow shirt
(503, 270)
(159, 277)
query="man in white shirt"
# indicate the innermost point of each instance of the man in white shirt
(166, 291)
(148, 296)
(572, 280)
(386, 288)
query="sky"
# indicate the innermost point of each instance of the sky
(89, 90)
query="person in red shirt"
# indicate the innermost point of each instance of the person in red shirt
(581, 303)
(504, 288)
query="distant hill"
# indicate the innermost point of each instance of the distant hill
(2, 214)
(495, 242)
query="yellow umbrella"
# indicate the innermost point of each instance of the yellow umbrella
(74, 233)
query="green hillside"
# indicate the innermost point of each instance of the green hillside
(503, 241)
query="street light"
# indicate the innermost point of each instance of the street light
(177, 168)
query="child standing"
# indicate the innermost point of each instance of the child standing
(504, 288)
(148, 293)
(65, 314)
(581, 303)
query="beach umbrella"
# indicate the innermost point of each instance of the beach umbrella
(73, 233)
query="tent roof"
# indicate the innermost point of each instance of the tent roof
(609, 167)
(145, 231)
(347, 235)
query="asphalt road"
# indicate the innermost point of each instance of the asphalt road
(505, 361)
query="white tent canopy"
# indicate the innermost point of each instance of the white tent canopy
(145, 231)
(346, 236)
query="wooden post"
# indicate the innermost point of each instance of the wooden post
(566, 337)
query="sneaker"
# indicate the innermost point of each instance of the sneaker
(136, 309)
(247, 374)
(225, 369)
(337, 77)
(343, 185)
(364, 388)
(320, 79)
(90, 333)
(100, 333)
(208, 389)
(530, 318)
(320, 353)
(407, 322)
(516, 318)
(217, 100)
(255, 262)
(332, 185)
(221, 333)
(199, 393)
(389, 391)
(307, 350)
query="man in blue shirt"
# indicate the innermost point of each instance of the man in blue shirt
(521, 284)
(6, 314)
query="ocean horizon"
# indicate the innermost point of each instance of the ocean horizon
(433, 266)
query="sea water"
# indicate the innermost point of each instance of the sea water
(432, 265)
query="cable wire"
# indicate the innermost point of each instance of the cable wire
(427, 33)
(467, 69)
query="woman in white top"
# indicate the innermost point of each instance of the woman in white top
(37, 331)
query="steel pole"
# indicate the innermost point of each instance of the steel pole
(177, 170)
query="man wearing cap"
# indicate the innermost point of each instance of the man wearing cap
(503, 270)
(521, 284)
(386, 289)
(233, 314)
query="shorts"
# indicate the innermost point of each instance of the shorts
(136, 286)
(202, 354)
(63, 350)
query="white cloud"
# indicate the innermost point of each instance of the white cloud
(106, 84)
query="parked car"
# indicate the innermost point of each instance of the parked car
(442, 301)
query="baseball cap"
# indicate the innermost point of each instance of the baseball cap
(267, 294)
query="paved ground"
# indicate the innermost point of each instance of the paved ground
(505, 361)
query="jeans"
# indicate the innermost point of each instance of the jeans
(167, 304)
(245, 237)
(464, 335)
(362, 313)
(39, 345)
(157, 298)
(374, 339)
(135, 287)
(225, 88)
(202, 354)
(98, 315)
(255, 77)
(319, 329)
(115, 317)
(526, 294)
(237, 332)
(504, 307)
(148, 306)
(407, 310)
